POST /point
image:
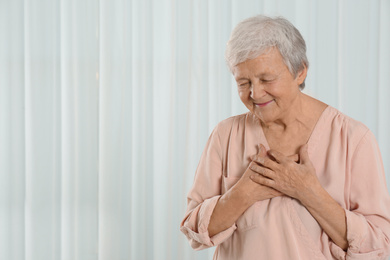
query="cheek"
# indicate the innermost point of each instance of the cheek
(245, 99)
(243, 95)
(280, 91)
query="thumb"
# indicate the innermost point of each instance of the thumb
(304, 155)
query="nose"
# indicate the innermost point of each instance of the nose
(257, 91)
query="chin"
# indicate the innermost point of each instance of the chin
(264, 117)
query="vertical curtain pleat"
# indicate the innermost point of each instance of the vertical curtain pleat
(163, 182)
(324, 49)
(42, 147)
(79, 129)
(117, 125)
(142, 70)
(105, 108)
(12, 131)
(355, 68)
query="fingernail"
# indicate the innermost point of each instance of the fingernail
(261, 148)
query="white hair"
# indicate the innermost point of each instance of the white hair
(255, 35)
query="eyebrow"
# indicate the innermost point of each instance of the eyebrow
(257, 76)
(264, 74)
(242, 79)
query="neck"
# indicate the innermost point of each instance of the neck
(299, 115)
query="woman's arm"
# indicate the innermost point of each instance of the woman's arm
(328, 213)
(236, 201)
(210, 217)
(363, 229)
(299, 181)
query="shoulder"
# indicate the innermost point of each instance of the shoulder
(232, 124)
(340, 121)
(340, 124)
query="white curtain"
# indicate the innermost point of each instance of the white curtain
(105, 107)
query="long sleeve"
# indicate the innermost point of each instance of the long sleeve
(203, 197)
(368, 218)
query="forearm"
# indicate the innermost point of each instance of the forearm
(228, 209)
(329, 215)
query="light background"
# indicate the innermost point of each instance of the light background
(105, 107)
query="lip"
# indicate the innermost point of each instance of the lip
(263, 104)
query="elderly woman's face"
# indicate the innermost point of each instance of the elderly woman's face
(266, 86)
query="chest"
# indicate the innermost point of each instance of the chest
(287, 143)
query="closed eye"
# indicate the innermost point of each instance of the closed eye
(267, 80)
(243, 84)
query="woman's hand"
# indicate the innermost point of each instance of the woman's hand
(255, 191)
(297, 180)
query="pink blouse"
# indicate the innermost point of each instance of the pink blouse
(349, 166)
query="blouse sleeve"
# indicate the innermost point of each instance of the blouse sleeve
(203, 197)
(368, 218)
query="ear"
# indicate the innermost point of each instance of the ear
(301, 75)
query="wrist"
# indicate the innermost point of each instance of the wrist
(313, 197)
(241, 195)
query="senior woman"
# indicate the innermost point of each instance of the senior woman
(293, 178)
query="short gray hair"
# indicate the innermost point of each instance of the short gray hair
(254, 35)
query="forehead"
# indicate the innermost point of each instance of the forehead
(269, 62)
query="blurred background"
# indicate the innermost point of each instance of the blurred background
(105, 108)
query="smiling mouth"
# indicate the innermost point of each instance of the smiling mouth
(263, 104)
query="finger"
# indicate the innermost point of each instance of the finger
(294, 157)
(304, 155)
(263, 171)
(278, 156)
(262, 180)
(266, 162)
(262, 151)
